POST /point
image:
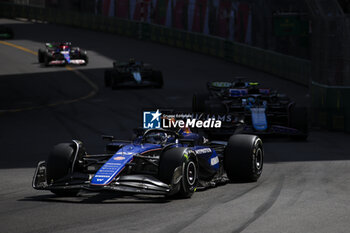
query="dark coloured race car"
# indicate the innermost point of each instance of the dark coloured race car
(62, 53)
(250, 109)
(133, 74)
(6, 32)
(156, 161)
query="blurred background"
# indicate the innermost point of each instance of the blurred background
(312, 33)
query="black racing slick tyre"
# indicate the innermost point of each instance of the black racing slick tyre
(41, 56)
(179, 168)
(46, 60)
(198, 103)
(108, 78)
(158, 79)
(298, 119)
(59, 162)
(244, 158)
(59, 165)
(85, 58)
(116, 79)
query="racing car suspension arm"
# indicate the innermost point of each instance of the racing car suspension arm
(147, 159)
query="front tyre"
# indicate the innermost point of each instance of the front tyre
(60, 164)
(189, 178)
(41, 56)
(158, 79)
(244, 158)
(178, 167)
(116, 79)
(108, 78)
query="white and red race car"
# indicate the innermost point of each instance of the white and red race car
(62, 53)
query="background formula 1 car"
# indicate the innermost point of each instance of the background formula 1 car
(252, 110)
(157, 161)
(62, 54)
(133, 74)
(6, 32)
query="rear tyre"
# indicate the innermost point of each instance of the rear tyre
(158, 79)
(59, 165)
(198, 102)
(298, 119)
(114, 83)
(217, 107)
(244, 158)
(86, 59)
(46, 60)
(179, 167)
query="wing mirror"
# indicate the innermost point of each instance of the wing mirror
(108, 137)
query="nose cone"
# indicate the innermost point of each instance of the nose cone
(111, 169)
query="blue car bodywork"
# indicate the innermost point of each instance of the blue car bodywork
(62, 54)
(253, 110)
(133, 166)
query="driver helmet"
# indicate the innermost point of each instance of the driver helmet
(157, 138)
(187, 130)
(239, 82)
(251, 100)
(253, 88)
(64, 47)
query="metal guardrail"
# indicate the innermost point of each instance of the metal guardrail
(330, 89)
(330, 106)
(284, 66)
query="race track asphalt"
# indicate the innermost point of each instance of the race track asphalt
(304, 186)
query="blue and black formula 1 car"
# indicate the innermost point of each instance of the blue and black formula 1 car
(157, 161)
(6, 32)
(62, 53)
(133, 74)
(252, 110)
